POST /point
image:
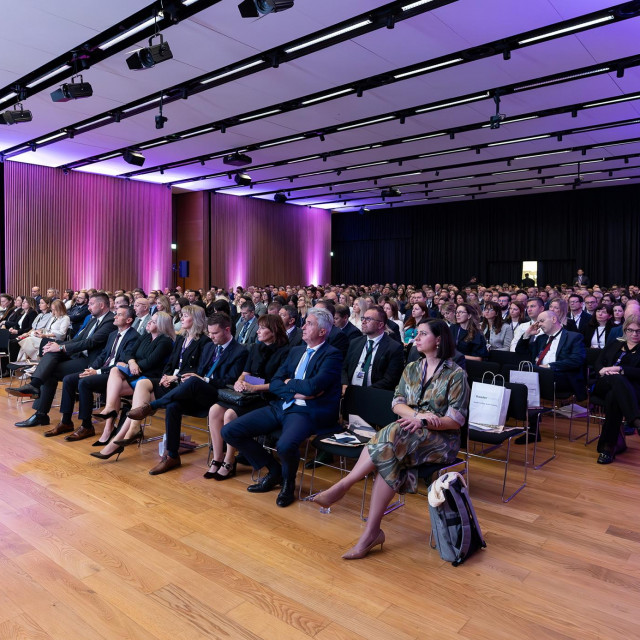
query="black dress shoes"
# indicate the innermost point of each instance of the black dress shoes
(268, 483)
(36, 420)
(606, 458)
(27, 391)
(287, 494)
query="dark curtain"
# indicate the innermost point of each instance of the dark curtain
(597, 230)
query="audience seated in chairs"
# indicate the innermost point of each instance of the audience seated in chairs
(55, 329)
(415, 314)
(497, 332)
(221, 363)
(432, 404)
(360, 305)
(618, 384)
(19, 324)
(145, 360)
(468, 336)
(78, 312)
(7, 306)
(599, 327)
(308, 389)
(341, 322)
(517, 315)
(264, 359)
(41, 323)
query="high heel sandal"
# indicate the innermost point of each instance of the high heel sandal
(211, 474)
(106, 456)
(100, 443)
(231, 468)
(125, 442)
(105, 416)
(352, 554)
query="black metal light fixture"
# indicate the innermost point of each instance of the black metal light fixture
(134, 157)
(160, 119)
(391, 192)
(16, 115)
(150, 56)
(237, 159)
(242, 179)
(72, 90)
(280, 198)
(256, 8)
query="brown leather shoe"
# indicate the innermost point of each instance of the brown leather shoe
(166, 464)
(81, 434)
(59, 429)
(141, 412)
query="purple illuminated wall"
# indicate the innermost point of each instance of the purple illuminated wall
(84, 230)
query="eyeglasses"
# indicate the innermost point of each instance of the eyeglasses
(369, 319)
(461, 313)
(634, 331)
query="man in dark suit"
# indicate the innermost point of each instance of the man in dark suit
(341, 322)
(221, 364)
(78, 312)
(308, 387)
(61, 359)
(335, 338)
(375, 359)
(94, 378)
(578, 318)
(141, 307)
(289, 314)
(581, 280)
(247, 327)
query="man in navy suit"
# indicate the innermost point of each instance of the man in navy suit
(61, 359)
(308, 387)
(341, 321)
(557, 349)
(289, 315)
(94, 378)
(221, 364)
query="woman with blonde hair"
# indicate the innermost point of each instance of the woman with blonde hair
(360, 305)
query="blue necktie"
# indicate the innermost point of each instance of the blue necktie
(301, 370)
(214, 364)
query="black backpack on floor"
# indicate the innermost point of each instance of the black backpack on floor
(455, 530)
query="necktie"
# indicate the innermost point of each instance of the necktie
(214, 362)
(544, 352)
(243, 333)
(114, 349)
(300, 371)
(366, 365)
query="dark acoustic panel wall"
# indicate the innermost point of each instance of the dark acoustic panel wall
(595, 229)
(253, 241)
(82, 230)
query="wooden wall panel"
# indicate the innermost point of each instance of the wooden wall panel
(192, 212)
(83, 230)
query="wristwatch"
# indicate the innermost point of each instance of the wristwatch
(424, 422)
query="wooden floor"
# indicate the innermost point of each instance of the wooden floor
(92, 549)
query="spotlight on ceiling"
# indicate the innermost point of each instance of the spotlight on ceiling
(160, 120)
(363, 210)
(391, 192)
(237, 159)
(255, 8)
(150, 56)
(72, 91)
(497, 118)
(133, 157)
(242, 179)
(15, 115)
(280, 197)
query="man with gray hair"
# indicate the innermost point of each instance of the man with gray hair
(308, 389)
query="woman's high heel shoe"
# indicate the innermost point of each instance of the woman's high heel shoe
(231, 468)
(105, 416)
(100, 443)
(125, 442)
(211, 474)
(106, 456)
(352, 554)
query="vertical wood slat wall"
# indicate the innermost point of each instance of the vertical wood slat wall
(252, 241)
(83, 230)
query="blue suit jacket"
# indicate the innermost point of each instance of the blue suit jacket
(127, 344)
(570, 355)
(322, 379)
(230, 365)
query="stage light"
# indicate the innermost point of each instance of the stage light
(148, 57)
(72, 91)
(15, 115)
(256, 8)
(160, 120)
(362, 211)
(242, 179)
(237, 159)
(391, 192)
(133, 157)
(280, 197)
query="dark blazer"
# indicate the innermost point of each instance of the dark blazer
(570, 355)
(351, 331)
(128, 343)
(476, 347)
(589, 330)
(12, 322)
(585, 281)
(585, 318)
(151, 355)
(395, 331)
(387, 365)
(630, 363)
(264, 360)
(230, 365)
(93, 344)
(615, 333)
(338, 340)
(322, 380)
(295, 337)
(77, 314)
(190, 357)
(252, 332)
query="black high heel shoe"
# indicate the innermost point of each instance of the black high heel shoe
(125, 442)
(105, 416)
(231, 468)
(100, 443)
(212, 474)
(106, 456)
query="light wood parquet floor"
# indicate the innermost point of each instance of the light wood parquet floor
(92, 549)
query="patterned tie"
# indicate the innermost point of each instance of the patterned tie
(300, 371)
(366, 365)
(243, 333)
(214, 362)
(114, 349)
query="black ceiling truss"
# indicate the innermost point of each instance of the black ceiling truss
(182, 91)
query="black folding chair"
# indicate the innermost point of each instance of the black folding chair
(477, 368)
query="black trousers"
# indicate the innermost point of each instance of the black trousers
(620, 401)
(85, 387)
(52, 369)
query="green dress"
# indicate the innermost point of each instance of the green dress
(396, 452)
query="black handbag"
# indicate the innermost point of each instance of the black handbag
(240, 399)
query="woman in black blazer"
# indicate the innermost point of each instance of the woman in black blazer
(19, 325)
(184, 358)
(618, 384)
(599, 327)
(147, 361)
